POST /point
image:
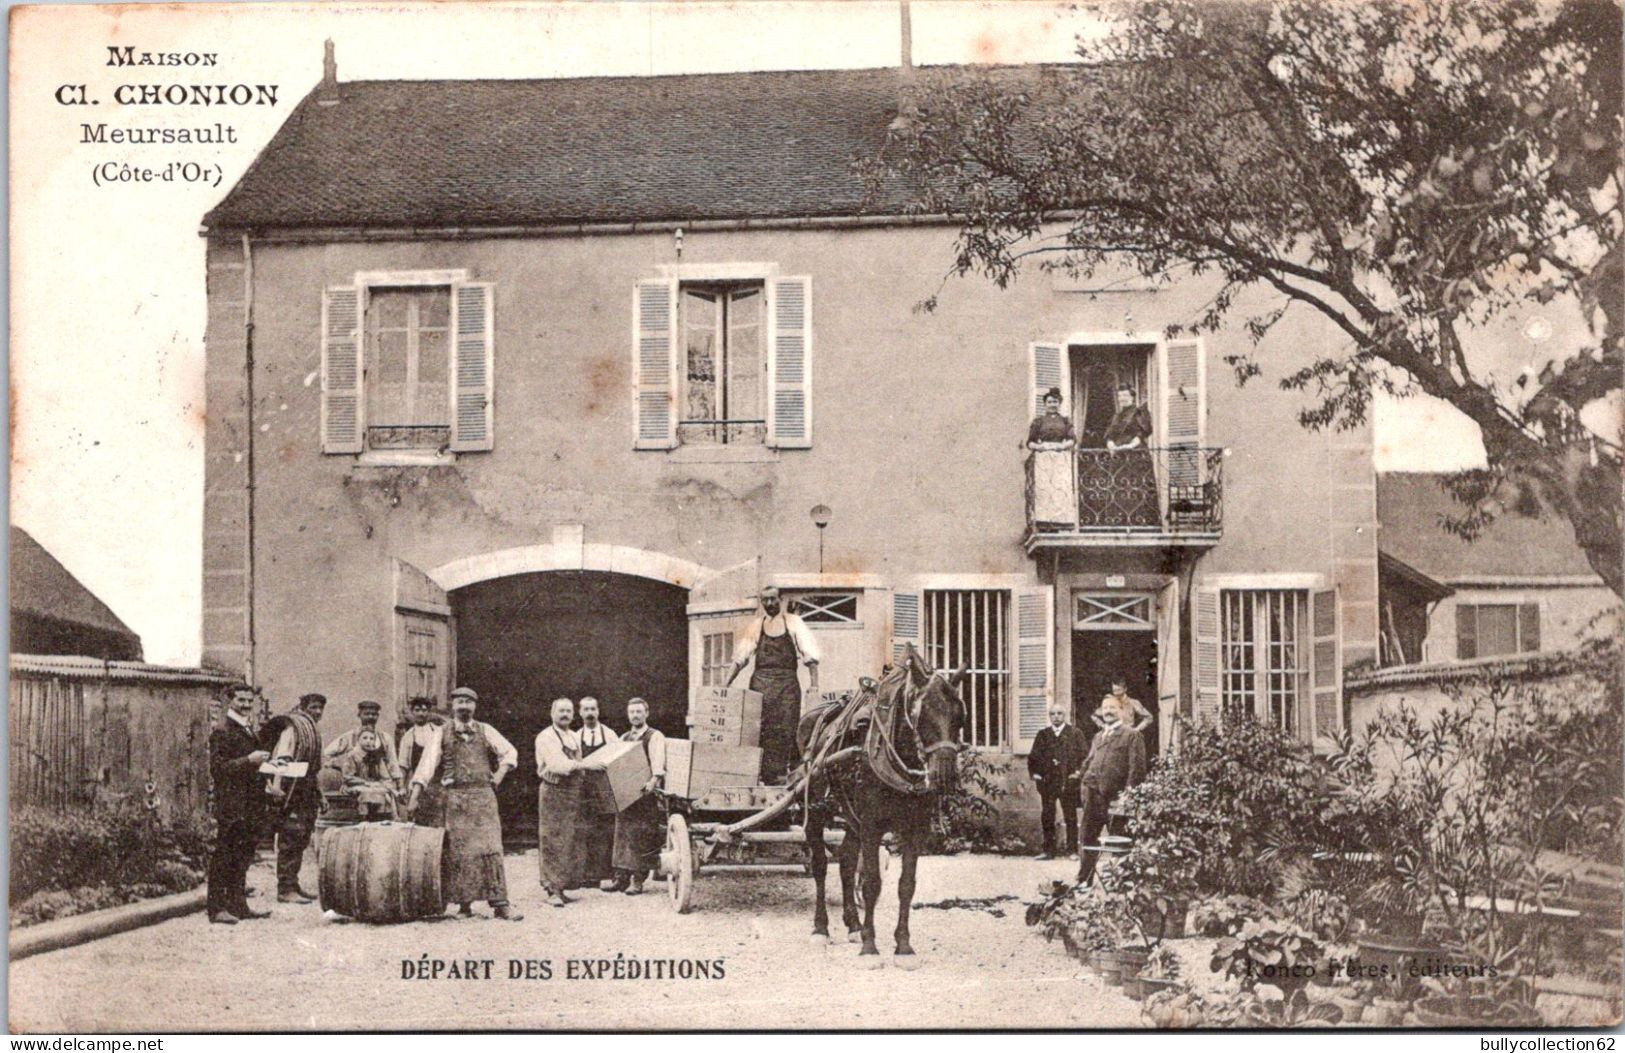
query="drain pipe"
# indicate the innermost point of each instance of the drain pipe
(248, 412)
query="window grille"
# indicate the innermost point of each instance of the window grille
(826, 608)
(971, 627)
(1264, 665)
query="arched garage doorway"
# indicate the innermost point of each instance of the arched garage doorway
(526, 639)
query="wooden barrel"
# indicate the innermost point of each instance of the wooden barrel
(382, 872)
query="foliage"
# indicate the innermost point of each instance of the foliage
(1085, 916)
(967, 817)
(1224, 915)
(1412, 174)
(1324, 913)
(1163, 964)
(1460, 815)
(1280, 955)
(128, 847)
(1208, 814)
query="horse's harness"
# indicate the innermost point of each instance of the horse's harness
(900, 706)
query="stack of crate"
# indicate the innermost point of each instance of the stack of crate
(726, 716)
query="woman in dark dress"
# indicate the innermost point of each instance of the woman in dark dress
(1054, 492)
(1121, 489)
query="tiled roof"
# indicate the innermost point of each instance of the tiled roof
(1412, 505)
(42, 586)
(565, 151)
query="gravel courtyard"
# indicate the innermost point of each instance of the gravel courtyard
(296, 971)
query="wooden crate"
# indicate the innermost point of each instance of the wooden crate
(726, 716)
(693, 768)
(619, 771)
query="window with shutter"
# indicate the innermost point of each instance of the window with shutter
(407, 360)
(1326, 667)
(1035, 665)
(341, 415)
(1205, 640)
(1183, 391)
(789, 368)
(722, 369)
(654, 364)
(906, 623)
(1484, 630)
(969, 629)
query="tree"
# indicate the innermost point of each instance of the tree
(1409, 170)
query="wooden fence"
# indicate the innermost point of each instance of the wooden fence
(86, 731)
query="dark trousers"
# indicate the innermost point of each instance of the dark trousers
(228, 865)
(1067, 804)
(293, 831)
(1096, 813)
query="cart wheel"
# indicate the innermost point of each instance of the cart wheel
(677, 863)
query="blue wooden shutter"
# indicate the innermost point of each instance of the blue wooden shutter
(789, 363)
(472, 412)
(654, 364)
(342, 421)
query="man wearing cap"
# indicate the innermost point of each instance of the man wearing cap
(469, 759)
(239, 806)
(779, 643)
(367, 713)
(559, 799)
(422, 726)
(597, 827)
(640, 828)
(297, 740)
(1116, 761)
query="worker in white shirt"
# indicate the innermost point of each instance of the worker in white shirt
(779, 643)
(558, 804)
(469, 759)
(640, 828)
(596, 832)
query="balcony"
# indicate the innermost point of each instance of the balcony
(1134, 498)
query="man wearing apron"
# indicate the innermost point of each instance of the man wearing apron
(779, 643)
(558, 804)
(597, 826)
(640, 828)
(469, 760)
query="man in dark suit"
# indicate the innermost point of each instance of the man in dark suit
(1056, 766)
(239, 807)
(1116, 761)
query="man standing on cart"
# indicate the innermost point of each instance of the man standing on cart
(780, 643)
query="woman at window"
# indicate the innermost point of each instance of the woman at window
(1119, 487)
(1054, 494)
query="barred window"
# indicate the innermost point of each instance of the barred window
(970, 628)
(1264, 669)
(826, 608)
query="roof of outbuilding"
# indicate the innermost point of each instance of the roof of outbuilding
(480, 153)
(41, 585)
(1411, 507)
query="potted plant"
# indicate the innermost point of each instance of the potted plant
(1175, 1008)
(1160, 972)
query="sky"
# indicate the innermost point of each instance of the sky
(107, 290)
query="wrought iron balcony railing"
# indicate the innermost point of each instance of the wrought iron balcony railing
(408, 436)
(1173, 493)
(723, 432)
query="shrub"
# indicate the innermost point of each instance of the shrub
(124, 847)
(1215, 810)
(967, 817)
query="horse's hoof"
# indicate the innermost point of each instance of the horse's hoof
(819, 939)
(855, 936)
(908, 962)
(871, 961)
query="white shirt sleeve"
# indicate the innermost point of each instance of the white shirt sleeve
(748, 639)
(550, 756)
(657, 753)
(805, 644)
(507, 756)
(430, 759)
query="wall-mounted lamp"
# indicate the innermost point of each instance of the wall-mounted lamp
(677, 241)
(821, 515)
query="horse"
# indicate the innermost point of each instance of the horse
(909, 756)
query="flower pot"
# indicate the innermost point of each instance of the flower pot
(1098, 960)
(1398, 928)
(1173, 922)
(1111, 967)
(1150, 985)
(1133, 958)
(1133, 986)
(1352, 1007)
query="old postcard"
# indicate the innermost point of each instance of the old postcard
(612, 516)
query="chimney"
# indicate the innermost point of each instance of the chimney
(329, 90)
(903, 124)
